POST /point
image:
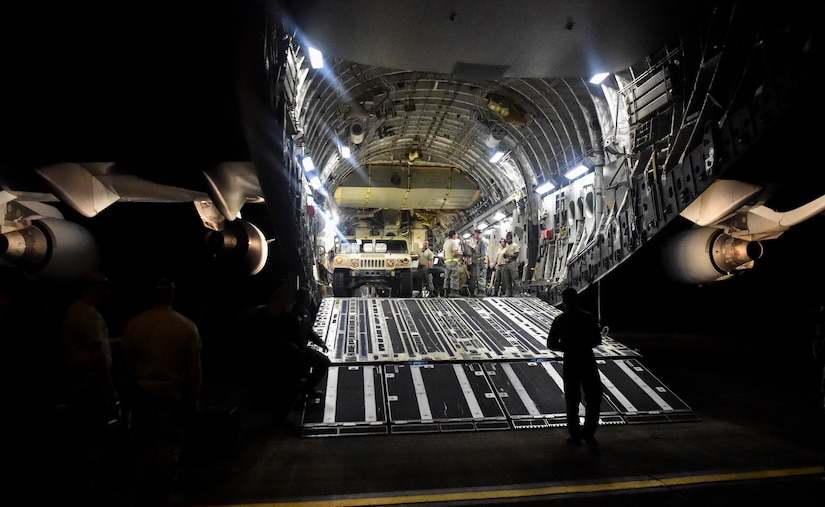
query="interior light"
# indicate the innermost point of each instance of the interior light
(496, 157)
(466, 235)
(316, 59)
(598, 78)
(308, 164)
(577, 171)
(315, 182)
(345, 151)
(482, 226)
(356, 132)
(545, 187)
(499, 215)
(494, 137)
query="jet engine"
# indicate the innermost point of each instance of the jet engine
(705, 255)
(51, 248)
(240, 242)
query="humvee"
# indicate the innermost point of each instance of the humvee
(383, 263)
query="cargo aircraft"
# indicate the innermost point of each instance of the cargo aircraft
(397, 116)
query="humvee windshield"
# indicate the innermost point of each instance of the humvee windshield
(379, 246)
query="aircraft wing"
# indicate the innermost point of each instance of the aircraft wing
(37, 237)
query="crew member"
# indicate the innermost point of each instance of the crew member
(93, 397)
(162, 349)
(575, 332)
(501, 263)
(425, 263)
(452, 254)
(481, 260)
(511, 278)
(315, 363)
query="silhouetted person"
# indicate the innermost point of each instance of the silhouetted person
(257, 331)
(162, 351)
(92, 397)
(88, 350)
(575, 332)
(316, 363)
(274, 361)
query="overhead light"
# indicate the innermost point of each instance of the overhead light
(494, 137)
(315, 182)
(499, 215)
(496, 157)
(345, 151)
(598, 78)
(307, 163)
(356, 132)
(482, 226)
(577, 171)
(466, 235)
(545, 187)
(316, 58)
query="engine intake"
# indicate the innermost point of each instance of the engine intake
(706, 255)
(51, 248)
(240, 242)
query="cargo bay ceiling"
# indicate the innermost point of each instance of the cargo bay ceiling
(424, 93)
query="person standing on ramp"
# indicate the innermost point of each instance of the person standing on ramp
(575, 332)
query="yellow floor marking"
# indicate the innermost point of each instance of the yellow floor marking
(494, 494)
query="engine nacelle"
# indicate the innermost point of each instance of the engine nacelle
(51, 248)
(240, 242)
(705, 255)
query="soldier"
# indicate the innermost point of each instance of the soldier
(452, 254)
(299, 331)
(93, 397)
(481, 261)
(511, 279)
(501, 265)
(425, 262)
(575, 332)
(162, 349)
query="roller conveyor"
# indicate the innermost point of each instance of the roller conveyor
(441, 396)
(463, 364)
(381, 330)
(353, 403)
(639, 395)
